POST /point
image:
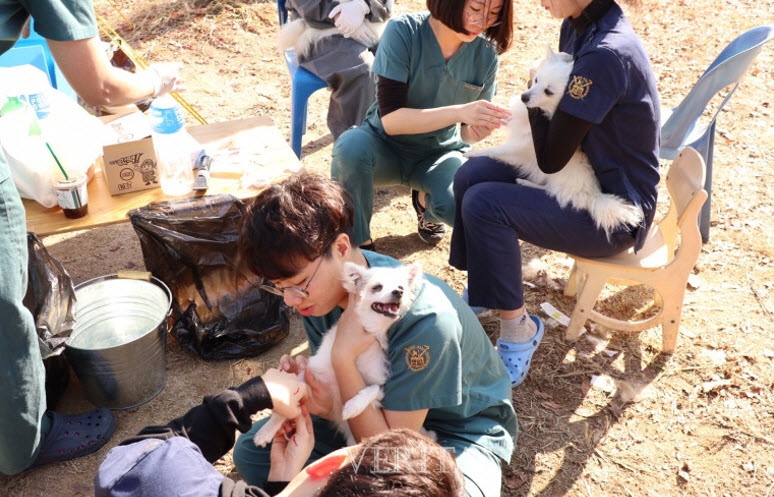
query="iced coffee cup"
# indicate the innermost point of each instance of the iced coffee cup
(72, 196)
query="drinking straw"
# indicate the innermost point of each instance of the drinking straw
(57, 161)
(35, 131)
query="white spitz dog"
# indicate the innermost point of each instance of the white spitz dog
(385, 293)
(576, 184)
(301, 37)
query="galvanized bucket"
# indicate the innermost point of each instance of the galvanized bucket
(118, 346)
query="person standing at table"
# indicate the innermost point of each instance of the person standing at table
(436, 77)
(30, 436)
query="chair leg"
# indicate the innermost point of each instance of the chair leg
(589, 292)
(571, 288)
(705, 145)
(297, 111)
(670, 321)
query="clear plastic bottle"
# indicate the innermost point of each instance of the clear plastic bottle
(173, 145)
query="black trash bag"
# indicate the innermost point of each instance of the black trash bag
(50, 298)
(218, 310)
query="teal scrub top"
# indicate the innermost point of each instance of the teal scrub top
(442, 360)
(409, 52)
(58, 20)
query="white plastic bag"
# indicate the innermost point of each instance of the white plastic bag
(73, 134)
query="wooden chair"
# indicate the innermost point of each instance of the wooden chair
(661, 264)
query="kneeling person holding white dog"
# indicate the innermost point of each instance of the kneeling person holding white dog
(445, 374)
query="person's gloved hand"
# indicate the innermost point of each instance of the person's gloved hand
(166, 77)
(350, 16)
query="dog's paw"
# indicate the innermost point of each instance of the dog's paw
(353, 407)
(262, 437)
(265, 433)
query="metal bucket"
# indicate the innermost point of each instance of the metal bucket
(118, 346)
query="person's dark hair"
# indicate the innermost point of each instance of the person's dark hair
(452, 12)
(397, 463)
(293, 222)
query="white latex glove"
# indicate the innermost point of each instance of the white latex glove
(365, 35)
(166, 77)
(350, 16)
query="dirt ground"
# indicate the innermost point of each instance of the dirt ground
(608, 415)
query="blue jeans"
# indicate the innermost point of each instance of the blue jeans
(22, 384)
(493, 213)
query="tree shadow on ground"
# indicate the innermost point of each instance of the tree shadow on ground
(561, 415)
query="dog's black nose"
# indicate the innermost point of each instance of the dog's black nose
(398, 293)
(524, 97)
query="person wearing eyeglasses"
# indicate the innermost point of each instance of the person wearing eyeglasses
(445, 375)
(435, 78)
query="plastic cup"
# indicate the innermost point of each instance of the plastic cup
(72, 196)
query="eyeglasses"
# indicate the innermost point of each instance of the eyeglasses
(295, 291)
(475, 15)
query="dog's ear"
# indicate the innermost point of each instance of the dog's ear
(414, 275)
(564, 57)
(550, 54)
(353, 277)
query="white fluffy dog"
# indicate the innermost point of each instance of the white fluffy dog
(385, 295)
(576, 184)
(297, 34)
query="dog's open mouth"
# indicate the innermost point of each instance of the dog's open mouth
(388, 309)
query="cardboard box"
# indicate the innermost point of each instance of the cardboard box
(130, 163)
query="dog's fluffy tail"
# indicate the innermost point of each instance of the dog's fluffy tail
(611, 211)
(289, 33)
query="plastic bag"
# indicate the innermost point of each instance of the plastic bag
(218, 310)
(73, 134)
(50, 298)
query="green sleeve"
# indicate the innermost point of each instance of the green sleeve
(63, 20)
(426, 364)
(394, 53)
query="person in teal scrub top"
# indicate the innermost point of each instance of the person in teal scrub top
(435, 76)
(445, 375)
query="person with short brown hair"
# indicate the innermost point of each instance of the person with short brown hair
(445, 375)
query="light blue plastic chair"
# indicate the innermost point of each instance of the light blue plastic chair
(303, 84)
(680, 126)
(34, 51)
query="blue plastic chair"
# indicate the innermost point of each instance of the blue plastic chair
(34, 51)
(303, 84)
(680, 126)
